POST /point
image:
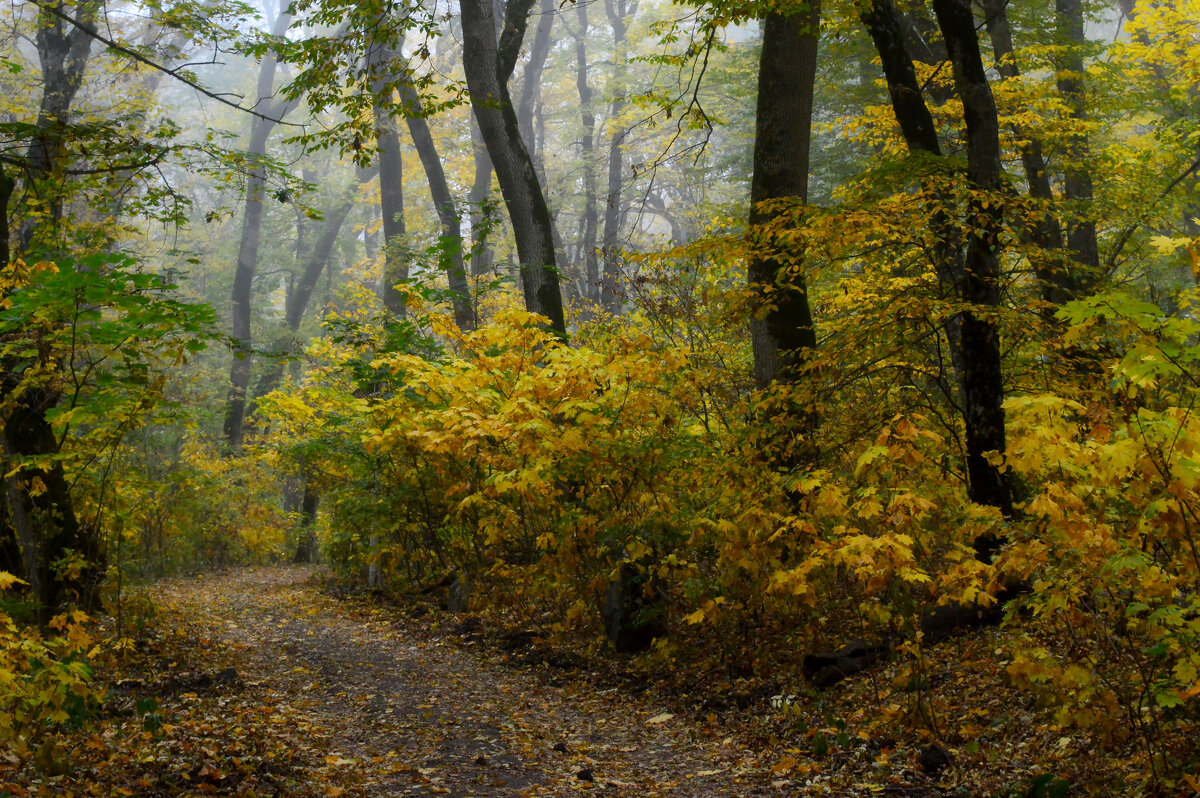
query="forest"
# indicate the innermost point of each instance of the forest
(531, 397)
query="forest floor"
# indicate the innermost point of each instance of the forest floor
(260, 682)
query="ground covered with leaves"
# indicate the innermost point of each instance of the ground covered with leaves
(262, 682)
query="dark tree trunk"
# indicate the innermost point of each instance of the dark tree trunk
(887, 30)
(63, 50)
(611, 293)
(39, 505)
(1053, 277)
(979, 287)
(590, 219)
(306, 546)
(247, 262)
(1077, 176)
(391, 188)
(45, 521)
(784, 337)
(974, 339)
(488, 66)
(886, 27)
(451, 250)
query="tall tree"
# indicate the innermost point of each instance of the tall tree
(382, 59)
(978, 285)
(1077, 175)
(488, 66)
(619, 13)
(1054, 278)
(451, 244)
(784, 335)
(479, 198)
(587, 145)
(270, 110)
(39, 503)
(531, 80)
(314, 252)
(971, 278)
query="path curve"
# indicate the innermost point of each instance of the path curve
(422, 715)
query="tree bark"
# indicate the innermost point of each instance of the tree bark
(63, 50)
(316, 260)
(247, 262)
(39, 503)
(784, 336)
(44, 518)
(488, 66)
(391, 185)
(979, 286)
(973, 280)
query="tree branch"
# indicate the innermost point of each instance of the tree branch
(141, 59)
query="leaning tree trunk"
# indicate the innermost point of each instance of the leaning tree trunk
(784, 337)
(451, 249)
(531, 80)
(488, 66)
(316, 262)
(247, 262)
(887, 29)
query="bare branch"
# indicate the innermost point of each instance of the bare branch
(173, 73)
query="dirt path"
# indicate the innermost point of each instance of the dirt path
(414, 714)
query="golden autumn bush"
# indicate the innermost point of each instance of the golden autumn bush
(44, 677)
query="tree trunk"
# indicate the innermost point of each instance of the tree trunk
(450, 252)
(1077, 176)
(247, 262)
(488, 67)
(531, 79)
(1053, 277)
(316, 261)
(611, 293)
(974, 339)
(479, 200)
(63, 50)
(589, 221)
(391, 187)
(39, 504)
(44, 518)
(784, 336)
(979, 284)
(306, 546)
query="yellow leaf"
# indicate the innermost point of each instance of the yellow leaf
(7, 580)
